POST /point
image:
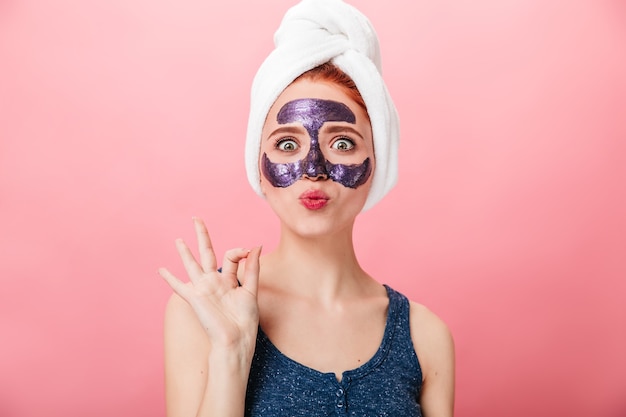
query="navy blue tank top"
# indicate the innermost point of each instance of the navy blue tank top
(387, 385)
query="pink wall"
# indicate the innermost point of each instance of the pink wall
(119, 120)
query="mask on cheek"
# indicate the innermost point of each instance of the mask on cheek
(312, 114)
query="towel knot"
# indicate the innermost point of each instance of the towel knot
(329, 25)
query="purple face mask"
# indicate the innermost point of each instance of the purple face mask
(313, 113)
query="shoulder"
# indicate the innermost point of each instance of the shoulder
(182, 324)
(177, 309)
(431, 338)
(425, 321)
(434, 347)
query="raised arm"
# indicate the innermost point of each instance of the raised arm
(210, 330)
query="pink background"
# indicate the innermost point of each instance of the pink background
(119, 120)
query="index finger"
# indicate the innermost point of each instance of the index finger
(251, 271)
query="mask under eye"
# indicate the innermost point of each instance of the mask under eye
(287, 145)
(343, 144)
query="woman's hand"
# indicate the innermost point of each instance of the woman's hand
(227, 311)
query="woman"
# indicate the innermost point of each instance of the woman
(304, 330)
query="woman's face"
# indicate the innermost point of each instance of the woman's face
(317, 158)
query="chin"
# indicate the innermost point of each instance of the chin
(315, 229)
(322, 223)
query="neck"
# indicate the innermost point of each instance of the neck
(323, 267)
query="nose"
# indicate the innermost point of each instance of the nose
(318, 177)
(315, 165)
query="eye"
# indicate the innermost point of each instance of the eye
(287, 145)
(343, 144)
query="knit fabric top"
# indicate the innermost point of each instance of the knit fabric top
(386, 385)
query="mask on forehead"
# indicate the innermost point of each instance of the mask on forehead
(312, 114)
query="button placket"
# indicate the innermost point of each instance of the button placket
(342, 397)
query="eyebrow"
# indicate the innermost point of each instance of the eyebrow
(339, 129)
(294, 130)
(287, 129)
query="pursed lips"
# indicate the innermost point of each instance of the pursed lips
(314, 199)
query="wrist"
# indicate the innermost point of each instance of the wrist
(234, 356)
(227, 381)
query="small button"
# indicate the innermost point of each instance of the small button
(339, 392)
(339, 404)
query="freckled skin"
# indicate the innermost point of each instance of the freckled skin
(312, 114)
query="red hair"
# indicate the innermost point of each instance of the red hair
(329, 73)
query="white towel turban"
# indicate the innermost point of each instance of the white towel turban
(311, 33)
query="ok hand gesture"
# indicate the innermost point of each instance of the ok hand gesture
(227, 310)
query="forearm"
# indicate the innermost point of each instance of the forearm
(227, 381)
(203, 378)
